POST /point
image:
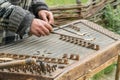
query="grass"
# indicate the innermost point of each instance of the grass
(62, 2)
(106, 71)
(112, 19)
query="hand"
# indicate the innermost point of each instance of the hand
(40, 28)
(47, 16)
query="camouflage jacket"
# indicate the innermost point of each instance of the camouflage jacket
(16, 17)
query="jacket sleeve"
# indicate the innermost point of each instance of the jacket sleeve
(38, 5)
(14, 18)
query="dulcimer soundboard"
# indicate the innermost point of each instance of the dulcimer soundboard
(68, 53)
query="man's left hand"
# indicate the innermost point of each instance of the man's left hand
(47, 16)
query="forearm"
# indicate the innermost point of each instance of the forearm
(13, 18)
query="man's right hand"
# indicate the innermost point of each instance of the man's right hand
(40, 28)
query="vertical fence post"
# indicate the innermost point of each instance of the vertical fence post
(94, 1)
(118, 69)
(78, 2)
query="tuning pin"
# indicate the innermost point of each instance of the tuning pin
(75, 41)
(77, 57)
(97, 47)
(48, 68)
(1, 54)
(43, 68)
(88, 45)
(15, 56)
(37, 68)
(65, 61)
(61, 37)
(65, 56)
(16, 69)
(80, 42)
(83, 43)
(91, 46)
(53, 60)
(71, 56)
(71, 40)
(54, 67)
(9, 69)
(31, 70)
(66, 38)
(12, 70)
(24, 69)
(38, 71)
(22, 56)
(47, 59)
(60, 61)
(27, 56)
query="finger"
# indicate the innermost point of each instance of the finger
(50, 18)
(49, 27)
(36, 33)
(41, 32)
(43, 27)
(46, 31)
(44, 17)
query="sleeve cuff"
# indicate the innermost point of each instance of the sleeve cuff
(24, 28)
(37, 7)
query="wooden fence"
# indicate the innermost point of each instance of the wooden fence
(79, 11)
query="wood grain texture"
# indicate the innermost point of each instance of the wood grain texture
(118, 69)
(91, 61)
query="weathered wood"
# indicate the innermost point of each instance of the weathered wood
(66, 8)
(68, 12)
(118, 69)
(84, 11)
(67, 16)
(90, 60)
(15, 76)
(98, 69)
